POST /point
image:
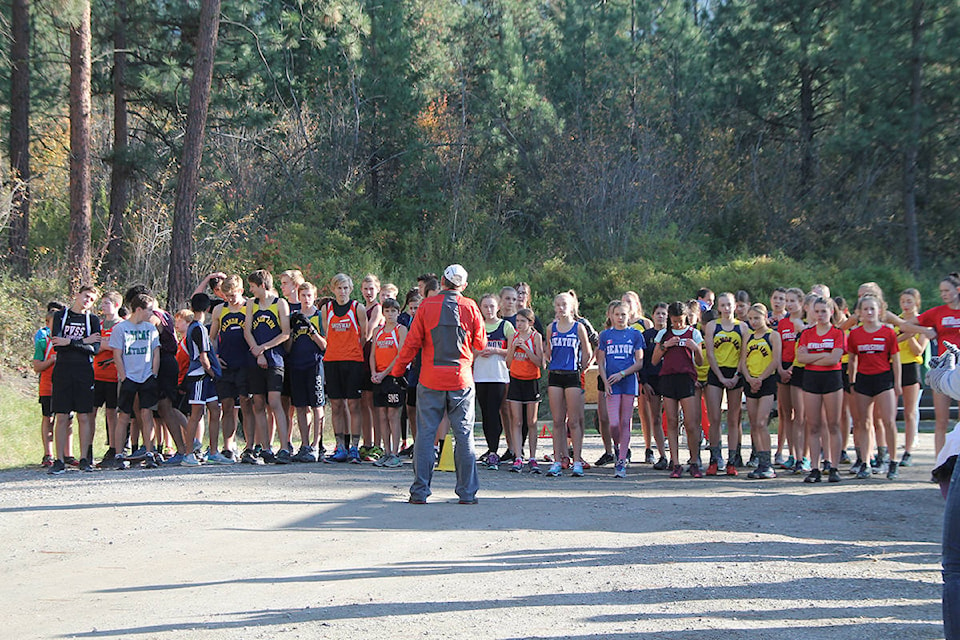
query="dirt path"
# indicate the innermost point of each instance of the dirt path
(333, 551)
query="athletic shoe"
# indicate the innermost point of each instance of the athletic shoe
(712, 468)
(229, 456)
(578, 469)
(844, 457)
(245, 458)
(892, 473)
(354, 456)
(565, 462)
(306, 454)
(407, 451)
(508, 456)
(517, 465)
(883, 468)
(119, 463)
(190, 460)
(695, 471)
(855, 467)
(620, 469)
(804, 464)
(86, 466)
(367, 454)
(778, 460)
(605, 459)
(379, 462)
(175, 460)
(732, 471)
(906, 460)
(58, 468)
(834, 475)
(47, 462)
(283, 457)
(762, 474)
(661, 464)
(139, 453)
(150, 461)
(677, 472)
(483, 459)
(534, 467)
(339, 454)
(393, 462)
(586, 465)
(789, 464)
(376, 451)
(648, 456)
(268, 456)
(813, 476)
(214, 457)
(736, 460)
(864, 472)
(555, 470)
(753, 462)
(721, 465)
(493, 462)
(70, 461)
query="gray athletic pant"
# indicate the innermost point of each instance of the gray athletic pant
(431, 405)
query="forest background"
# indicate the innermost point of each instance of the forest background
(605, 145)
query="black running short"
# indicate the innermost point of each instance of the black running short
(873, 385)
(105, 393)
(909, 374)
(676, 386)
(822, 382)
(564, 379)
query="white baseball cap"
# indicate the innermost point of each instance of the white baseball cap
(455, 275)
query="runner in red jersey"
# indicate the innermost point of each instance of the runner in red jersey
(820, 348)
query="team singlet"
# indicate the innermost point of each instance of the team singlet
(386, 346)
(759, 353)
(266, 327)
(232, 346)
(343, 333)
(726, 344)
(520, 367)
(564, 348)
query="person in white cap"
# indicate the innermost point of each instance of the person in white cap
(448, 328)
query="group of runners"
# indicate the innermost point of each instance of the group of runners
(270, 359)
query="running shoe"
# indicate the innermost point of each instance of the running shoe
(732, 471)
(555, 470)
(677, 472)
(150, 461)
(762, 474)
(789, 464)
(214, 457)
(695, 471)
(139, 453)
(648, 457)
(119, 463)
(661, 464)
(86, 466)
(517, 465)
(804, 464)
(620, 469)
(736, 461)
(483, 459)
(407, 451)
(47, 462)
(712, 468)
(813, 476)
(378, 462)
(834, 475)
(339, 454)
(721, 465)
(283, 457)
(883, 468)
(855, 467)
(844, 457)
(176, 459)
(245, 458)
(864, 472)
(229, 456)
(354, 456)
(753, 462)
(190, 460)
(493, 462)
(892, 472)
(778, 460)
(586, 465)
(70, 461)
(268, 456)
(565, 462)
(393, 461)
(58, 468)
(306, 454)
(508, 456)
(577, 469)
(605, 459)
(906, 460)
(534, 467)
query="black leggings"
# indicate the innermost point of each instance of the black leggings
(490, 396)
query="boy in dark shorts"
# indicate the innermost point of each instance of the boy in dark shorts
(135, 343)
(226, 334)
(75, 336)
(198, 385)
(305, 372)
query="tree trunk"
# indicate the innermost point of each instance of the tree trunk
(120, 170)
(79, 260)
(913, 140)
(19, 232)
(180, 279)
(807, 113)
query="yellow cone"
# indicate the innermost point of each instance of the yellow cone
(446, 456)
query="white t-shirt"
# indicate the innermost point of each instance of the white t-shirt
(138, 342)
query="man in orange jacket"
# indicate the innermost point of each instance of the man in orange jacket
(448, 328)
